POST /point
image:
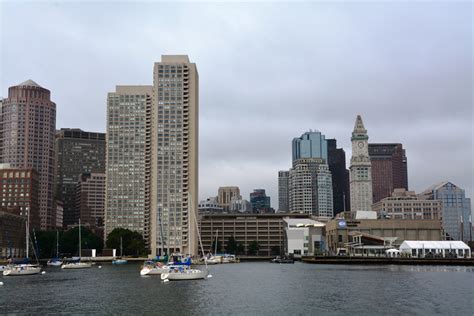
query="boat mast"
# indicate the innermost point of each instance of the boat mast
(79, 239)
(197, 226)
(120, 246)
(215, 246)
(27, 234)
(57, 243)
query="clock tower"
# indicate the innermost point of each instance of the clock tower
(360, 169)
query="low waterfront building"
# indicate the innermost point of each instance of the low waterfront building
(262, 231)
(403, 204)
(347, 233)
(12, 234)
(435, 249)
(304, 237)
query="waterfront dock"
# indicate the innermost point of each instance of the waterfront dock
(386, 260)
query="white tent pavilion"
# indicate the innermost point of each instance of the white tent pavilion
(444, 248)
(392, 253)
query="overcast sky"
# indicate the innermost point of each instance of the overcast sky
(268, 72)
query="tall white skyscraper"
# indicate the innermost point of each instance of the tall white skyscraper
(360, 169)
(174, 180)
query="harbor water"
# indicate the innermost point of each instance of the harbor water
(249, 288)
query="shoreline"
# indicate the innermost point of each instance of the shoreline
(396, 261)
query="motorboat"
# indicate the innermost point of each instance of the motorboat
(152, 268)
(229, 259)
(279, 259)
(213, 260)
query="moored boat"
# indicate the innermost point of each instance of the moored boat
(181, 273)
(21, 269)
(77, 264)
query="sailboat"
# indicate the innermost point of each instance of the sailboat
(77, 264)
(56, 262)
(181, 272)
(214, 259)
(120, 261)
(23, 268)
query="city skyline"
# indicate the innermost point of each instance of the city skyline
(402, 100)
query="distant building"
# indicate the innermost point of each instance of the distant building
(456, 209)
(127, 195)
(283, 191)
(12, 234)
(59, 214)
(304, 237)
(360, 169)
(389, 169)
(77, 152)
(90, 199)
(267, 230)
(404, 204)
(340, 177)
(374, 236)
(210, 206)
(19, 193)
(240, 206)
(27, 128)
(260, 202)
(310, 184)
(225, 195)
(310, 145)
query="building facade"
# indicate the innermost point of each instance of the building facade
(19, 193)
(360, 169)
(404, 204)
(241, 206)
(27, 129)
(310, 184)
(90, 199)
(210, 206)
(283, 191)
(260, 202)
(77, 152)
(310, 145)
(304, 237)
(456, 209)
(389, 169)
(225, 195)
(127, 193)
(340, 177)
(12, 234)
(175, 156)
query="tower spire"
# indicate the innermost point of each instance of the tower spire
(359, 130)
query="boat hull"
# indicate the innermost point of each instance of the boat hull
(21, 270)
(188, 274)
(54, 263)
(78, 265)
(119, 261)
(152, 271)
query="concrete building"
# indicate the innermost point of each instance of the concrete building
(27, 129)
(77, 152)
(266, 229)
(127, 194)
(210, 206)
(260, 202)
(175, 151)
(283, 191)
(304, 237)
(404, 204)
(310, 145)
(389, 169)
(90, 199)
(12, 234)
(360, 169)
(340, 177)
(241, 206)
(225, 195)
(310, 184)
(353, 235)
(19, 193)
(456, 209)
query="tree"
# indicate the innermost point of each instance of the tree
(132, 242)
(45, 243)
(231, 245)
(214, 247)
(240, 249)
(254, 246)
(69, 241)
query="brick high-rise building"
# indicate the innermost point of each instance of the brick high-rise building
(27, 130)
(127, 202)
(175, 147)
(389, 169)
(77, 152)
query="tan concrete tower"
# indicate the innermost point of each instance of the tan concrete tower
(174, 180)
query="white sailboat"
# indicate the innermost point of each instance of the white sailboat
(120, 261)
(180, 273)
(214, 259)
(23, 268)
(56, 262)
(77, 264)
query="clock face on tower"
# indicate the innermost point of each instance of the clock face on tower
(360, 144)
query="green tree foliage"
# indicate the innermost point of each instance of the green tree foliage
(231, 246)
(240, 249)
(69, 241)
(254, 246)
(132, 242)
(213, 246)
(45, 245)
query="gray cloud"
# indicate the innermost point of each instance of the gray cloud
(268, 73)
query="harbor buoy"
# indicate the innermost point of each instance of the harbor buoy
(43, 272)
(100, 267)
(1, 283)
(209, 276)
(166, 280)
